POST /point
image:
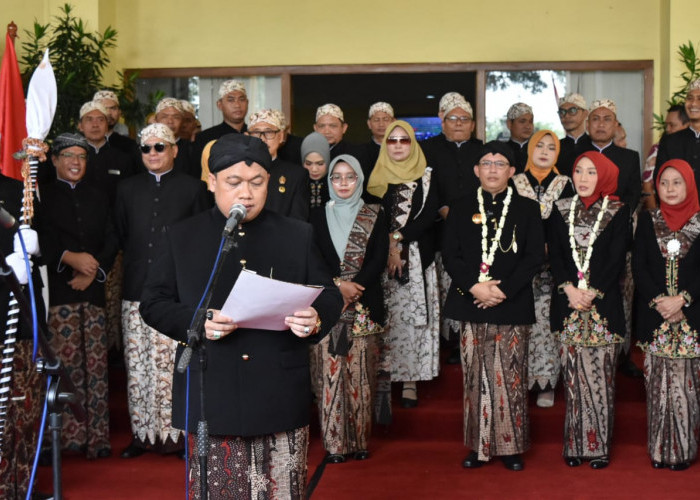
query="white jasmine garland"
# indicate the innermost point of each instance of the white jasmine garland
(583, 269)
(487, 255)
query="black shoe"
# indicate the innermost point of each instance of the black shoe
(599, 463)
(573, 461)
(513, 462)
(657, 465)
(680, 466)
(629, 369)
(104, 453)
(361, 455)
(335, 458)
(408, 403)
(454, 358)
(37, 495)
(132, 451)
(181, 454)
(472, 461)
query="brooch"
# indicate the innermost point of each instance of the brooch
(476, 219)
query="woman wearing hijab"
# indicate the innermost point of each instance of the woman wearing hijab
(587, 240)
(352, 239)
(542, 182)
(666, 263)
(402, 180)
(315, 156)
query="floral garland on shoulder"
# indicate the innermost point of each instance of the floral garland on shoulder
(583, 268)
(488, 254)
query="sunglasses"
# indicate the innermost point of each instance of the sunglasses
(398, 140)
(571, 111)
(158, 146)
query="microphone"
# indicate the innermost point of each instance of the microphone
(9, 222)
(235, 215)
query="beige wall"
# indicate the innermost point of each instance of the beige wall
(183, 33)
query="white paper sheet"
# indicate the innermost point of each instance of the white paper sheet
(259, 302)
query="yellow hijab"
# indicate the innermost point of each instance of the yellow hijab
(387, 171)
(541, 173)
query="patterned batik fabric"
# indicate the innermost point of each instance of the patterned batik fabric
(543, 345)
(588, 374)
(113, 304)
(449, 328)
(253, 468)
(673, 409)
(627, 294)
(22, 424)
(78, 337)
(150, 359)
(413, 322)
(494, 365)
(344, 392)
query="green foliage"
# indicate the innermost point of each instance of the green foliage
(687, 54)
(79, 58)
(501, 80)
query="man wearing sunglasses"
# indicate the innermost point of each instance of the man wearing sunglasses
(147, 204)
(573, 113)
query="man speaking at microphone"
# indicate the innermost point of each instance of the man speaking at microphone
(257, 383)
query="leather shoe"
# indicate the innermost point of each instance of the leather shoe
(408, 403)
(573, 461)
(629, 369)
(472, 461)
(181, 454)
(599, 463)
(657, 465)
(680, 466)
(132, 451)
(513, 462)
(104, 453)
(45, 457)
(335, 458)
(361, 455)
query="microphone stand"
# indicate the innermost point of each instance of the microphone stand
(195, 340)
(61, 392)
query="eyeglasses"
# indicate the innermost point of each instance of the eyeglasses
(398, 140)
(455, 119)
(70, 156)
(497, 164)
(158, 146)
(573, 111)
(267, 134)
(339, 179)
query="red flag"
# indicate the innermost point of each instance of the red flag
(12, 112)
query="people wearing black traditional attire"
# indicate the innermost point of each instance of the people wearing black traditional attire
(452, 154)
(344, 365)
(402, 180)
(685, 144)
(330, 122)
(588, 237)
(233, 104)
(543, 183)
(123, 143)
(316, 156)
(288, 189)
(493, 247)
(573, 113)
(519, 121)
(170, 112)
(257, 383)
(78, 244)
(21, 404)
(666, 267)
(380, 115)
(147, 204)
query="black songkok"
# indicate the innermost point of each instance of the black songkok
(235, 148)
(68, 140)
(498, 148)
